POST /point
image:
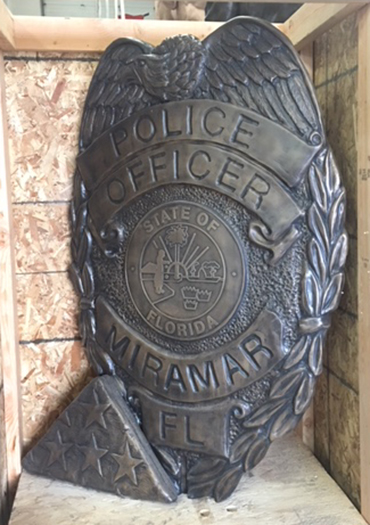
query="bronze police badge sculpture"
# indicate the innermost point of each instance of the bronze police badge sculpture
(208, 249)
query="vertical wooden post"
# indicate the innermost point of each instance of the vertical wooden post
(306, 428)
(8, 305)
(363, 160)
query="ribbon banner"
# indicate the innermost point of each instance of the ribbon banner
(195, 377)
(203, 429)
(205, 143)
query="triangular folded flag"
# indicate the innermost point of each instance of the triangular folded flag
(97, 443)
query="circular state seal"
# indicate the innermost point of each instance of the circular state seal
(185, 270)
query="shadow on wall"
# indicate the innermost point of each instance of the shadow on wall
(216, 11)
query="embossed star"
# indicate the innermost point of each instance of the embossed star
(127, 465)
(57, 450)
(95, 412)
(92, 456)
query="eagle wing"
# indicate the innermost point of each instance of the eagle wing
(251, 64)
(110, 97)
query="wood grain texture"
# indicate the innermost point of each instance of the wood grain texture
(344, 437)
(7, 40)
(8, 306)
(44, 117)
(42, 237)
(53, 374)
(47, 306)
(364, 252)
(311, 21)
(93, 34)
(289, 487)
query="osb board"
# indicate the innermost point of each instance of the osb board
(47, 306)
(336, 401)
(45, 97)
(289, 487)
(42, 237)
(53, 374)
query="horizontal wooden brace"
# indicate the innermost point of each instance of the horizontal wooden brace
(28, 33)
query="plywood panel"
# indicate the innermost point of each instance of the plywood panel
(52, 375)
(44, 117)
(344, 437)
(42, 237)
(47, 306)
(342, 348)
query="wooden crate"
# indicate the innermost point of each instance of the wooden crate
(43, 278)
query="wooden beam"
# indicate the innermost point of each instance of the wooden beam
(91, 34)
(6, 27)
(8, 305)
(310, 21)
(363, 228)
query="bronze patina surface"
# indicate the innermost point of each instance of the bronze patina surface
(208, 250)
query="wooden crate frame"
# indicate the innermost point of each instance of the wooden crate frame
(23, 33)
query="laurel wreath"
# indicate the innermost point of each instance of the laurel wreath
(292, 392)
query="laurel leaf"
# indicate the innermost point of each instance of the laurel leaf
(206, 468)
(304, 394)
(318, 227)
(332, 174)
(333, 293)
(311, 294)
(297, 353)
(228, 483)
(241, 446)
(284, 423)
(337, 215)
(88, 281)
(201, 490)
(286, 383)
(256, 452)
(318, 189)
(316, 258)
(315, 355)
(339, 254)
(263, 414)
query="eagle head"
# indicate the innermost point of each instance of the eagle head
(173, 70)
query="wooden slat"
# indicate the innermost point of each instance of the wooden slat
(310, 21)
(8, 304)
(6, 27)
(91, 34)
(363, 145)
